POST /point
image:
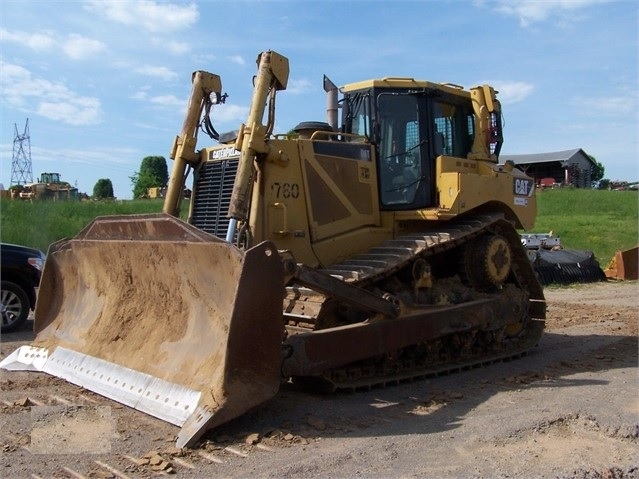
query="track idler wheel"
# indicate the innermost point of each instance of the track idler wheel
(486, 261)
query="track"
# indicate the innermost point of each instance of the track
(390, 371)
(449, 348)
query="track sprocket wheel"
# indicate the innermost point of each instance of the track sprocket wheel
(497, 258)
(487, 261)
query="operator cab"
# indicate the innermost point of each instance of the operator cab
(410, 124)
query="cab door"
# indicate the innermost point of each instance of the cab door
(406, 157)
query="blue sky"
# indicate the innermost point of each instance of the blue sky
(105, 83)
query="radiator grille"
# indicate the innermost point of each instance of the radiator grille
(212, 196)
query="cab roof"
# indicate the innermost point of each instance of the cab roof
(404, 83)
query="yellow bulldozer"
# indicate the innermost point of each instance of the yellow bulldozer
(48, 187)
(341, 255)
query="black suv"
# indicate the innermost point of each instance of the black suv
(21, 270)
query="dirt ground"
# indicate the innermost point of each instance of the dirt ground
(570, 409)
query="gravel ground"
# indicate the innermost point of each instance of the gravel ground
(570, 409)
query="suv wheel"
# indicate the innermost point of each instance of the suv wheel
(14, 306)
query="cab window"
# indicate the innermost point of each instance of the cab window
(455, 129)
(399, 148)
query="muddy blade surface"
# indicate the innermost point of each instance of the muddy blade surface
(155, 314)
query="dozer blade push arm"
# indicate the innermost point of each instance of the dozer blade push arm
(272, 75)
(183, 151)
(336, 288)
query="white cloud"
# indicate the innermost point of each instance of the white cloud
(73, 110)
(510, 92)
(531, 11)
(158, 72)
(220, 114)
(147, 14)
(20, 90)
(168, 101)
(172, 46)
(147, 126)
(608, 106)
(35, 41)
(74, 46)
(238, 59)
(140, 94)
(297, 87)
(229, 113)
(102, 156)
(78, 47)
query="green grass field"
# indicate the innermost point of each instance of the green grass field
(41, 223)
(598, 220)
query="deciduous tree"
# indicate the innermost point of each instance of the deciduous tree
(103, 189)
(153, 173)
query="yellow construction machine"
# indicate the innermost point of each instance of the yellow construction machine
(48, 187)
(341, 255)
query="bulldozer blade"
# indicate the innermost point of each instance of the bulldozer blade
(624, 265)
(158, 315)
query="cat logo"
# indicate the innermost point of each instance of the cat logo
(522, 187)
(219, 154)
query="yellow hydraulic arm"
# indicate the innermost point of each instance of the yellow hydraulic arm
(487, 110)
(272, 76)
(183, 151)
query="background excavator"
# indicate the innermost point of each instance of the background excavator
(338, 256)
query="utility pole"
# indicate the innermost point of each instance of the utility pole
(21, 169)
